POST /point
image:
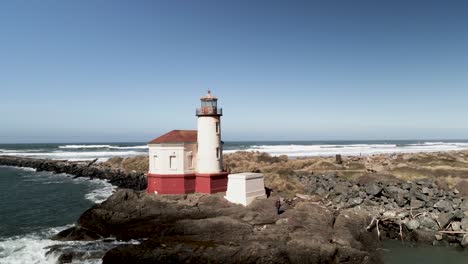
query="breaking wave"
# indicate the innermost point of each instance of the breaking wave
(352, 149)
(37, 248)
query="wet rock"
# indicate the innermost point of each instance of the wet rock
(76, 233)
(423, 236)
(464, 241)
(429, 223)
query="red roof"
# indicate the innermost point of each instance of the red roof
(176, 136)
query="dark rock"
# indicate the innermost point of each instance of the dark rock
(444, 219)
(373, 189)
(77, 233)
(428, 223)
(206, 228)
(443, 206)
(425, 182)
(464, 241)
(342, 188)
(406, 186)
(416, 203)
(422, 236)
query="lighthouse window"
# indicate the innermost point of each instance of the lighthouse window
(217, 153)
(217, 127)
(172, 160)
(190, 160)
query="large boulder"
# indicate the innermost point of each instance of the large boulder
(208, 229)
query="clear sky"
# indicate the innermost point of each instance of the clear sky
(108, 70)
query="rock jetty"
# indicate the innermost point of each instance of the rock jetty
(419, 210)
(93, 170)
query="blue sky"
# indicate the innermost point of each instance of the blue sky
(88, 71)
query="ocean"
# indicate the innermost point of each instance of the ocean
(103, 151)
(35, 205)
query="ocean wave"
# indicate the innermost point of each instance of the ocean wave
(100, 147)
(102, 191)
(37, 248)
(352, 149)
(32, 248)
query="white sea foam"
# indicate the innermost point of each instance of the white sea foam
(352, 150)
(28, 249)
(100, 147)
(100, 189)
(102, 192)
(35, 248)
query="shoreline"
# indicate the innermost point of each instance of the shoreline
(91, 170)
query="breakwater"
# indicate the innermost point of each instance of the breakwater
(417, 210)
(92, 170)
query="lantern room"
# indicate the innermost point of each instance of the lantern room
(209, 106)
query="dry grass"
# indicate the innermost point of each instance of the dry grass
(138, 163)
(448, 168)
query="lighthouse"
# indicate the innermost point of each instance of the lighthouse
(210, 176)
(187, 161)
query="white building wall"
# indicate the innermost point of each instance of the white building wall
(171, 158)
(209, 142)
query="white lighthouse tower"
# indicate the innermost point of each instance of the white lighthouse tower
(210, 175)
(210, 158)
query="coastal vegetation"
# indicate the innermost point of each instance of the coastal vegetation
(448, 169)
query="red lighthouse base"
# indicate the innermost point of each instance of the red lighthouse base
(171, 183)
(211, 182)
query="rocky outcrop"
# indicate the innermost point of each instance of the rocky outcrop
(206, 228)
(123, 179)
(419, 210)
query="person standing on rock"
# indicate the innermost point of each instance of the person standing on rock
(278, 205)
